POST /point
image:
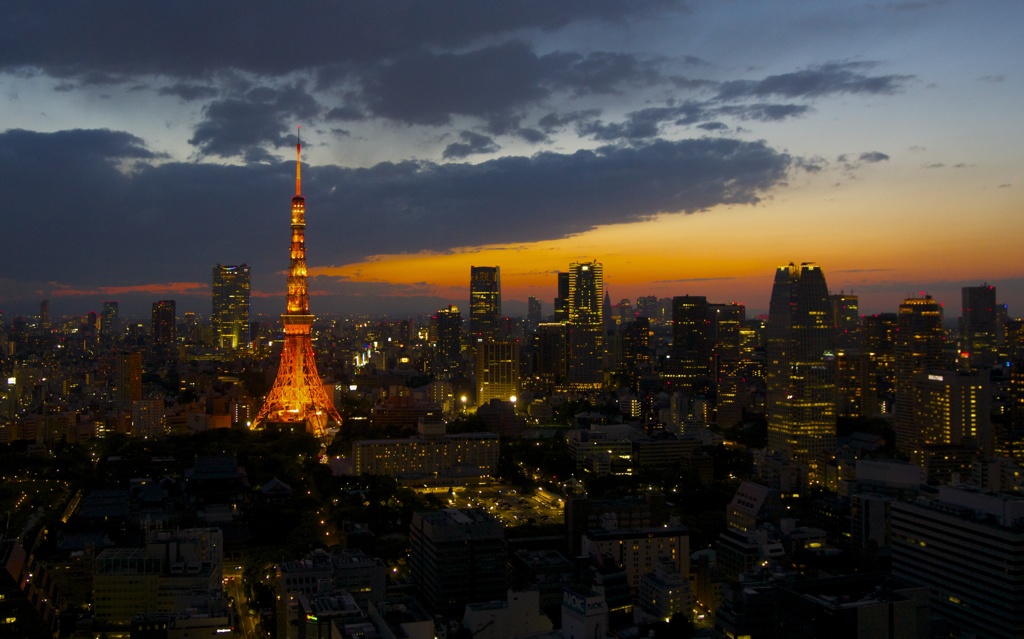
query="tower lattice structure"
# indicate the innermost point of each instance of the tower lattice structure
(298, 394)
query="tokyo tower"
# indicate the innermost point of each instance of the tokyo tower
(298, 395)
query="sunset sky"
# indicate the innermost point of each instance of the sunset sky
(691, 147)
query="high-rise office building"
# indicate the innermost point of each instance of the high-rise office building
(128, 387)
(967, 547)
(298, 395)
(800, 367)
(230, 317)
(484, 302)
(497, 371)
(846, 319)
(549, 351)
(163, 328)
(1012, 441)
(636, 345)
(878, 345)
(457, 556)
(919, 348)
(562, 299)
(585, 323)
(647, 306)
(978, 325)
(728, 366)
(447, 324)
(690, 364)
(951, 407)
(108, 319)
(534, 314)
(44, 314)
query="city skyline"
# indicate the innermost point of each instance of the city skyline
(691, 149)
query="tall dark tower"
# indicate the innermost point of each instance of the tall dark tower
(691, 342)
(978, 325)
(585, 323)
(800, 366)
(163, 327)
(484, 301)
(298, 395)
(920, 346)
(448, 355)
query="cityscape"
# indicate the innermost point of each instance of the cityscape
(604, 320)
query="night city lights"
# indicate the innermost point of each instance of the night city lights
(605, 319)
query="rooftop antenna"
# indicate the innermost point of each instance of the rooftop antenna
(298, 162)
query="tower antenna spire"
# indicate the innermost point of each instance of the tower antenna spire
(298, 162)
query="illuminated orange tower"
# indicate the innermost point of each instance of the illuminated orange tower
(298, 395)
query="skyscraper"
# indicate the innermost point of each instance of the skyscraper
(919, 348)
(457, 556)
(585, 323)
(108, 319)
(690, 363)
(448, 352)
(129, 386)
(978, 325)
(298, 395)
(846, 319)
(534, 314)
(163, 327)
(561, 306)
(1012, 441)
(878, 337)
(230, 317)
(727, 366)
(484, 301)
(497, 371)
(800, 367)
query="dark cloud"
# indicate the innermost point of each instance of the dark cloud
(764, 112)
(412, 206)
(828, 79)
(240, 127)
(810, 165)
(189, 92)
(494, 83)
(533, 136)
(554, 121)
(471, 144)
(649, 123)
(849, 164)
(95, 224)
(645, 123)
(601, 72)
(873, 156)
(428, 88)
(196, 38)
(345, 114)
(713, 126)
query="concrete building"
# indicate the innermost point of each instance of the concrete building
(664, 592)
(465, 455)
(517, 615)
(456, 557)
(967, 547)
(638, 550)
